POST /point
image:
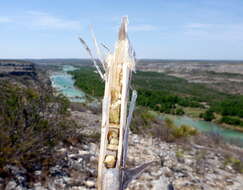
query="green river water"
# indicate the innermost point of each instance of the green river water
(63, 83)
(229, 135)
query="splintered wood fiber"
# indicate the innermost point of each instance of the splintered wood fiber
(116, 87)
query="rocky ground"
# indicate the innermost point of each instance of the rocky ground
(181, 66)
(229, 83)
(175, 166)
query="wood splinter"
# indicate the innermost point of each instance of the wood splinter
(118, 67)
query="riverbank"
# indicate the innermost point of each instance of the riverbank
(195, 121)
(172, 95)
(232, 127)
(196, 112)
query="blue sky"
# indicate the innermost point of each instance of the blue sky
(165, 29)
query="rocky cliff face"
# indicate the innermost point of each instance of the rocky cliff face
(18, 68)
(25, 74)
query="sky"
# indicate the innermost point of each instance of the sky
(158, 29)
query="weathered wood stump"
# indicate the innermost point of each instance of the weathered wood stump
(118, 67)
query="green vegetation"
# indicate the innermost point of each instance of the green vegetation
(208, 115)
(232, 121)
(193, 112)
(143, 121)
(231, 106)
(195, 93)
(183, 131)
(147, 122)
(179, 111)
(31, 123)
(224, 74)
(89, 81)
(165, 102)
(180, 154)
(168, 94)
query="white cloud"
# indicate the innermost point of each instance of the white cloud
(142, 27)
(5, 20)
(44, 20)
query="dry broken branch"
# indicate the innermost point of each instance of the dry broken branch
(86, 47)
(98, 52)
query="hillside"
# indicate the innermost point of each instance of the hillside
(57, 142)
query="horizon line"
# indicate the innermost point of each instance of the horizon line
(159, 59)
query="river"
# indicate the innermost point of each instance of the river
(63, 83)
(229, 135)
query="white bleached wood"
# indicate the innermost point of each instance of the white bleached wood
(126, 129)
(106, 47)
(111, 179)
(98, 52)
(115, 101)
(86, 47)
(118, 66)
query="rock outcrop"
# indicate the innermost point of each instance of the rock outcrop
(175, 168)
(25, 74)
(18, 68)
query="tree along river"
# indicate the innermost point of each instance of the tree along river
(64, 84)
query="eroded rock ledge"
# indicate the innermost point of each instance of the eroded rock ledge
(18, 68)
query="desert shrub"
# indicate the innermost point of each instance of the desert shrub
(177, 132)
(146, 122)
(169, 123)
(183, 131)
(179, 111)
(236, 163)
(31, 123)
(207, 115)
(148, 117)
(163, 132)
(142, 121)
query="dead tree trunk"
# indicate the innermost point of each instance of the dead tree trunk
(118, 67)
(114, 115)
